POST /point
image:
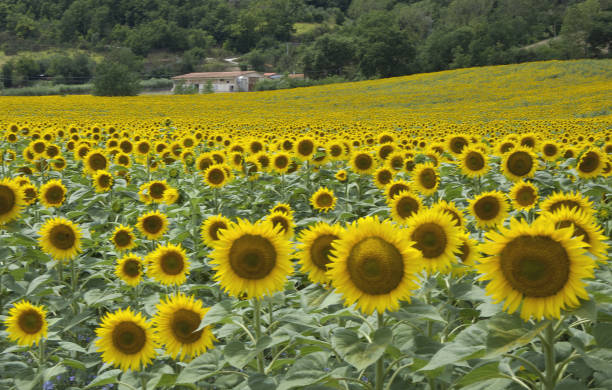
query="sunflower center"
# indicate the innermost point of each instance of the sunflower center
(570, 204)
(384, 177)
(409, 165)
(62, 237)
(375, 266)
(474, 161)
(550, 150)
(536, 266)
(104, 181)
(97, 161)
(204, 164)
(578, 231)
(455, 217)
(52, 151)
(123, 160)
(172, 263)
(39, 147)
(506, 147)
(487, 208)
(123, 238)
(335, 150)
(216, 176)
(156, 190)
(464, 252)
(131, 268)
(184, 324)
(396, 189)
(152, 224)
(320, 249)
(427, 178)
(407, 206)
(281, 162)
(430, 239)
(305, 148)
(214, 229)
(520, 163)
(324, 200)
(252, 256)
(589, 162)
(363, 161)
(282, 222)
(457, 144)
(30, 193)
(525, 196)
(30, 322)
(7, 199)
(129, 338)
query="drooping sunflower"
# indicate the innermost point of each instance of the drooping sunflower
(584, 226)
(283, 223)
(212, 228)
(123, 238)
(362, 162)
(519, 163)
(570, 200)
(314, 248)
(171, 195)
(489, 208)
(152, 225)
(168, 264)
(130, 269)
(323, 200)
(176, 323)
(283, 208)
(591, 164)
(404, 205)
(435, 234)
(524, 195)
(11, 200)
(537, 266)
(251, 259)
(26, 324)
(102, 180)
(60, 238)
(452, 209)
(52, 193)
(341, 175)
(467, 255)
(215, 176)
(126, 340)
(425, 178)
(473, 162)
(373, 265)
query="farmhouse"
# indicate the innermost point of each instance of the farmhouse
(238, 81)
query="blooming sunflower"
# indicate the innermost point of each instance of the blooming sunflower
(435, 234)
(550, 151)
(524, 195)
(395, 187)
(212, 227)
(102, 180)
(215, 176)
(52, 193)
(11, 200)
(323, 200)
(535, 265)
(282, 222)
(489, 208)
(152, 225)
(383, 176)
(362, 163)
(314, 247)
(155, 189)
(123, 238)
(452, 209)
(519, 163)
(168, 264)
(404, 205)
(26, 324)
(94, 160)
(305, 148)
(176, 324)
(373, 265)
(570, 200)
(425, 178)
(473, 162)
(126, 340)
(283, 208)
(30, 193)
(280, 162)
(467, 255)
(60, 238)
(591, 164)
(129, 269)
(252, 259)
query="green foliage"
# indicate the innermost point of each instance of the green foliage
(115, 79)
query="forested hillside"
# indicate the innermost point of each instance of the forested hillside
(62, 40)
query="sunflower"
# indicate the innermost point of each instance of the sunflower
(283, 208)
(123, 238)
(11, 200)
(524, 195)
(323, 200)
(171, 195)
(168, 264)
(305, 148)
(94, 160)
(30, 193)
(60, 238)
(591, 164)
(152, 224)
(251, 259)
(280, 162)
(176, 324)
(535, 265)
(452, 209)
(215, 176)
(123, 159)
(435, 234)
(314, 247)
(212, 227)
(584, 226)
(362, 163)
(550, 151)
(103, 180)
(129, 269)
(26, 324)
(489, 208)
(467, 255)
(373, 265)
(395, 187)
(52, 193)
(283, 223)
(383, 176)
(473, 162)
(155, 190)
(519, 163)
(570, 200)
(425, 178)
(126, 340)
(404, 205)
(341, 175)
(457, 143)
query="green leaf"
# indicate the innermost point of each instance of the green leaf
(259, 381)
(74, 364)
(481, 373)
(105, 378)
(466, 345)
(418, 311)
(37, 282)
(69, 346)
(356, 352)
(603, 334)
(306, 371)
(96, 297)
(239, 356)
(200, 367)
(221, 312)
(507, 332)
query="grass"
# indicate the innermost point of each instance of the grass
(78, 89)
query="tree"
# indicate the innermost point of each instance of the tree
(115, 79)
(328, 56)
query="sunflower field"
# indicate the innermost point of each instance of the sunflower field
(436, 231)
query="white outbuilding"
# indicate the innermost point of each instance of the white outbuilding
(238, 81)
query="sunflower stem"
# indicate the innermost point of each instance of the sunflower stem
(143, 381)
(257, 317)
(548, 349)
(380, 363)
(60, 271)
